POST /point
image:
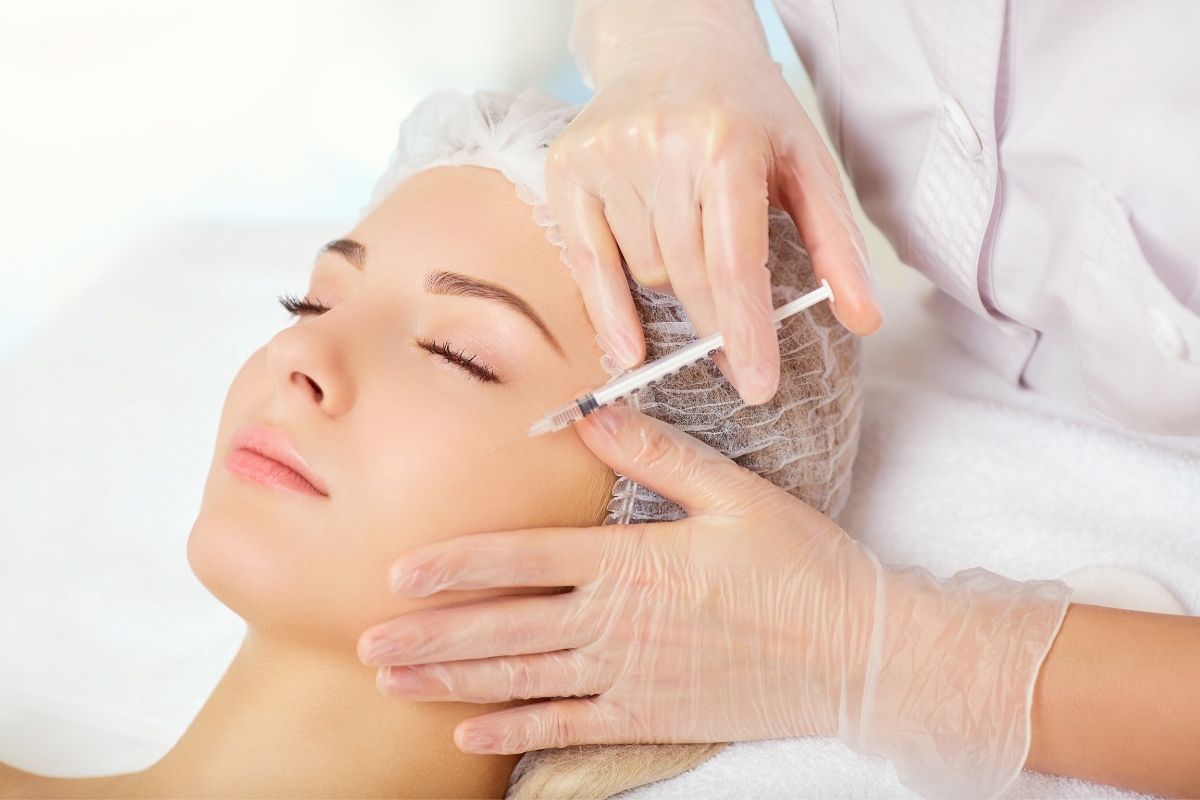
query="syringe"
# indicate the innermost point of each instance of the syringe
(631, 382)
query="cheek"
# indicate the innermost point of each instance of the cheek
(436, 480)
(253, 545)
(415, 464)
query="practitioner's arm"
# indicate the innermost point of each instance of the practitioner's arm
(1118, 701)
(602, 29)
(28, 785)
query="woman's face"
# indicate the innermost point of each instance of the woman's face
(410, 446)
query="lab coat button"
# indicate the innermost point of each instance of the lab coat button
(964, 131)
(1166, 334)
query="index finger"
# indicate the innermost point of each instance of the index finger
(534, 557)
(736, 240)
(595, 263)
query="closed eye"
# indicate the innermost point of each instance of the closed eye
(460, 359)
(304, 306)
(300, 306)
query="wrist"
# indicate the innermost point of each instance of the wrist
(947, 686)
(835, 599)
(610, 38)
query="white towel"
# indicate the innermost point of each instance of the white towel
(110, 643)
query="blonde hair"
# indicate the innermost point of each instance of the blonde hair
(602, 770)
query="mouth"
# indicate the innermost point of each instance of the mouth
(265, 455)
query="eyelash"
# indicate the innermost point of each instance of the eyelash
(303, 306)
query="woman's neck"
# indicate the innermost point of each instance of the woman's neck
(290, 720)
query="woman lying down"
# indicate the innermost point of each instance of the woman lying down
(431, 336)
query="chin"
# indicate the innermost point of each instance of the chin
(271, 566)
(234, 563)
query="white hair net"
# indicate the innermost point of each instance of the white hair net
(804, 440)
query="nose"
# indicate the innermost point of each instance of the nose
(306, 369)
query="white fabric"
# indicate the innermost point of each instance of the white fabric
(1040, 163)
(110, 645)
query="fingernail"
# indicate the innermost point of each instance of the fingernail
(622, 348)
(606, 421)
(382, 651)
(479, 742)
(864, 267)
(410, 580)
(400, 580)
(759, 383)
(408, 681)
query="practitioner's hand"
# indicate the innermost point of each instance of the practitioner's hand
(755, 617)
(692, 133)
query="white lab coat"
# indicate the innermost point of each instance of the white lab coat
(1040, 162)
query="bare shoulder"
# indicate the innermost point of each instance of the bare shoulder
(13, 781)
(18, 783)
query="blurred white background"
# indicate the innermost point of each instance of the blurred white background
(124, 116)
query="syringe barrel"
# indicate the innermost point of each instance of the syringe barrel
(625, 385)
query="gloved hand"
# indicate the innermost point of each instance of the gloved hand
(691, 134)
(755, 617)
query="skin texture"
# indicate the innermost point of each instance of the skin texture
(1116, 701)
(411, 449)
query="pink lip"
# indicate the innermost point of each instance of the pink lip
(266, 455)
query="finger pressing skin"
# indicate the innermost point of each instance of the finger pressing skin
(536, 557)
(494, 626)
(557, 723)
(596, 267)
(562, 673)
(735, 206)
(813, 195)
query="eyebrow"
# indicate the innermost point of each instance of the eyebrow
(354, 252)
(443, 282)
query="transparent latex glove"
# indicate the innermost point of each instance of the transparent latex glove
(755, 617)
(691, 134)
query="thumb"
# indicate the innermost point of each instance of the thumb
(677, 466)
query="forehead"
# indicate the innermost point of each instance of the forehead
(445, 182)
(457, 209)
